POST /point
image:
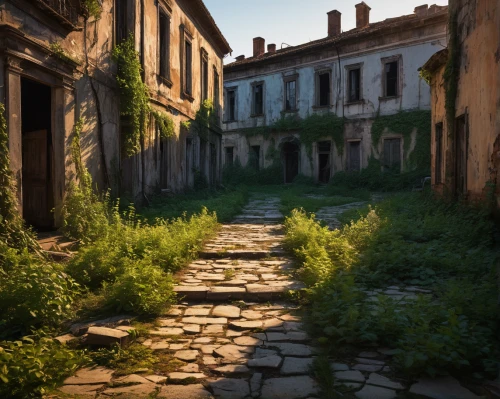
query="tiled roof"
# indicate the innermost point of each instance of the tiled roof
(212, 28)
(356, 33)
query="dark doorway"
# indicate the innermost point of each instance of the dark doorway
(254, 158)
(213, 164)
(354, 156)
(291, 157)
(324, 148)
(37, 179)
(461, 157)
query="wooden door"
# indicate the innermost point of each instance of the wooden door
(36, 210)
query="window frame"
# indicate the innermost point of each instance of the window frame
(164, 75)
(123, 5)
(317, 89)
(286, 80)
(253, 86)
(226, 162)
(401, 146)
(187, 79)
(348, 69)
(227, 116)
(348, 157)
(387, 60)
(204, 74)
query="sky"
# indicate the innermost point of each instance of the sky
(294, 21)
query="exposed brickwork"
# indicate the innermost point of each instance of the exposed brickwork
(334, 23)
(259, 45)
(362, 15)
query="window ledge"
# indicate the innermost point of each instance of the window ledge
(187, 96)
(388, 98)
(165, 81)
(256, 115)
(322, 106)
(358, 102)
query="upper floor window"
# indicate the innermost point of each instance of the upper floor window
(121, 25)
(390, 76)
(187, 64)
(216, 99)
(231, 104)
(290, 93)
(258, 99)
(323, 91)
(164, 39)
(354, 93)
(204, 75)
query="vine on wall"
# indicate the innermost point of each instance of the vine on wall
(451, 73)
(205, 120)
(404, 123)
(165, 124)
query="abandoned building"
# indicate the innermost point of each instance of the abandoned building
(465, 118)
(351, 77)
(56, 66)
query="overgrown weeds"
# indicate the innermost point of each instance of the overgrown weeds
(408, 239)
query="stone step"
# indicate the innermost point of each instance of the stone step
(241, 254)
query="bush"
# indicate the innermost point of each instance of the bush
(33, 294)
(236, 174)
(29, 367)
(142, 289)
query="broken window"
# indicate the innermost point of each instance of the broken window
(392, 155)
(258, 99)
(290, 95)
(254, 157)
(354, 84)
(164, 45)
(231, 105)
(324, 89)
(438, 169)
(204, 75)
(391, 79)
(121, 29)
(229, 156)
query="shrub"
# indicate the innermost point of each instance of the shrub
(125, 360)
(142, 289)
(35, 293)
(29, 367)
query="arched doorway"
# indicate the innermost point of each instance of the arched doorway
(290, 151)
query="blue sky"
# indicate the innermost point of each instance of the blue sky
(294, 21)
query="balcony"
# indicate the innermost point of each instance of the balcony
(63, 11)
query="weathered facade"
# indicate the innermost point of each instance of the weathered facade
(465, 104)
(56, 66)
(355, 76)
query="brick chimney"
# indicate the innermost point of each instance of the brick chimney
(334, 26)
(259, 45)
(421, 11)
(271, 48)
(240, 58)
(362, 15)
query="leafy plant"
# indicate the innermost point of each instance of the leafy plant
(125, 360)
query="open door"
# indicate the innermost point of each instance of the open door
(36, 180)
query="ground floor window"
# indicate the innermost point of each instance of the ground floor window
(229, 156)
(254, 157)
(392, 154)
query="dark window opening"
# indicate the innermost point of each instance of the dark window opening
(188, 89)
(231, 100)
(255, 157)
(324, 89)
(121, 21)
(291, 96)
(438, 169)
(354, 155)
(324, 166)
(164, 45)
(204, 77)
(258, 99)
(216, 100)
(229, 156)
(392, 155)
(290, 153)
(391, 79)
(354, 85)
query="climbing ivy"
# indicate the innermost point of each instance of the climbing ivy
(164, 123)
(92, 8)
(12, 228)
(310, 129)
(205, 120)
(404, 123)
(134, 94)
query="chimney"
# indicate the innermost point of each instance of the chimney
(240, 58)
(259, 45)
(362, 15)
(271, 48)
(421, 11)
(334, 23)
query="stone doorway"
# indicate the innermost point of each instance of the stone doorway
(290, 153)
(37, 154)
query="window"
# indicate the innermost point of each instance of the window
(231, 105)
(391, 79)
(254, 158)
(354, 155)
(229, 156)
(164, 23)
(392, 154)
(204, 75)
(323, 88)
(324, 164)
(216, 99)
(258, 99)
(291, 95)
(187, 64)
(438, 168)
(121, 29)
(354, 85)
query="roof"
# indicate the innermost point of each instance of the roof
(211, 28)
(437, 60)
(388, 25)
